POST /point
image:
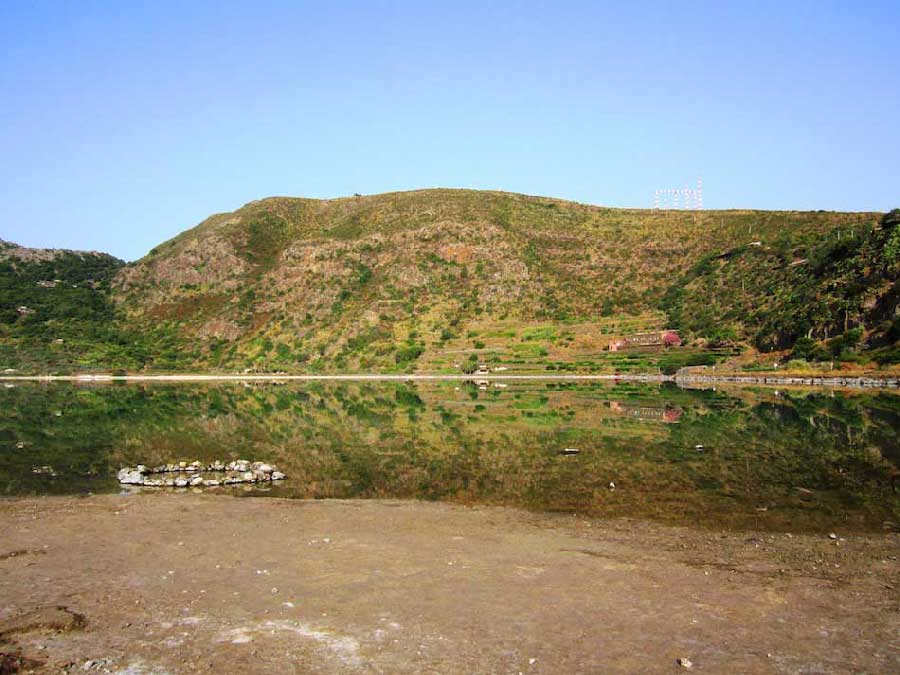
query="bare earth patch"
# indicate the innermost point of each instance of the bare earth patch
(186, 583)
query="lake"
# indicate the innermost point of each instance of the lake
(735, 458)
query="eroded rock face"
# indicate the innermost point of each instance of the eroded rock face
(220, 328)
(207, 260)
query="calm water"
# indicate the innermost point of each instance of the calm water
(796, 460)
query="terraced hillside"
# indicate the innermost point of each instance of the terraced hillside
(426, 280)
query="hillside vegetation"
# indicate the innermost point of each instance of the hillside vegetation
(442, 280)
(834, 298)
(56, 311)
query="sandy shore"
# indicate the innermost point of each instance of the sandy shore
(189, 583)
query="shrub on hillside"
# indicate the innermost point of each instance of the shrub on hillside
(806, 349)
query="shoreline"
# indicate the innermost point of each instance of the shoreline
(857, 382)
(387, 377)
(793, 380)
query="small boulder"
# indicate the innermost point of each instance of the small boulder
(129, 476)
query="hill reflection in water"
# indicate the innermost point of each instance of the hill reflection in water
(745, 458)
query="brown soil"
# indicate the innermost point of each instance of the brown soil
(186, 583)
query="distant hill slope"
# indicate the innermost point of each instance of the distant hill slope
(55, 309)
(418, 280)
(14, 253)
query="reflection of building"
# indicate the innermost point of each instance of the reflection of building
(665, 338)
(668, 414)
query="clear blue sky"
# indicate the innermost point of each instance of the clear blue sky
(123, 123)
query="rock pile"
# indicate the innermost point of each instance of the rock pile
(240, 471)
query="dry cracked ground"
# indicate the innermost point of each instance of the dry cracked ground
(187, 583)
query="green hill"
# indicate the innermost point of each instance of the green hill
(441, 280)
(56, 311)
(835, 298)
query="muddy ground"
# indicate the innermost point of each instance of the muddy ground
(188, 583)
